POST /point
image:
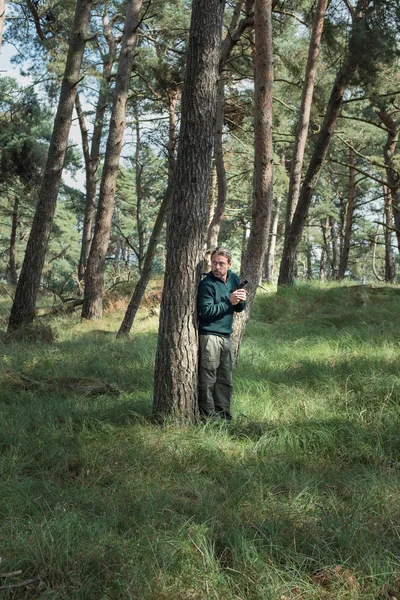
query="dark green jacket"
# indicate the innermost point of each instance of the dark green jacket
(213, 305)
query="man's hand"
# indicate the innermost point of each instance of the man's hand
(237, 296)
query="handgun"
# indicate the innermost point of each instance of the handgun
(242, 284)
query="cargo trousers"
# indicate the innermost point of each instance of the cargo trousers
(215, 376)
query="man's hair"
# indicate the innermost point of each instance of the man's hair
(221, 251)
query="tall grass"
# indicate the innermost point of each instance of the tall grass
(297, 498)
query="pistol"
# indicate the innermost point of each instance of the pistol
(242, 284)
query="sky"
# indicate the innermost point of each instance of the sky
(10, 70)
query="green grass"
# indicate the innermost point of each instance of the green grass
(298, 498)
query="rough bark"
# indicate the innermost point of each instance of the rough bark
(390, 267)
(393, 177)
(141, 285)
(94, 275)
(12, 271)
(139, 201)
(348, 227)
(294, 234)
(263, 162)
(93, 159)
(175, 381)
(305, 111)
(29, 281)
(235, 31)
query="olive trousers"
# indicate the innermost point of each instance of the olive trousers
(215, 376)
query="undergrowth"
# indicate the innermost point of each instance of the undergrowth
(298, 498)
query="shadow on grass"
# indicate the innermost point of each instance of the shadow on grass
(100, 508)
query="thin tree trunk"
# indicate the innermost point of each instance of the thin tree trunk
(139, 200)
(326, 244)
(263, 162)
(141, 285)
(309, 268)
(2, 18)
(374, 269)
(305, 111)
(390, 268)
(92, 164)
(269, 263)
(344, 257)
(236, 29)
(13, 276)
(222, 188)
(94, 276)
(22, 311)
(293, 237)
(322, 264)
(175, 379)
(335, 249)
(392, 174)
(117, 256)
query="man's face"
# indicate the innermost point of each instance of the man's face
(219, 266)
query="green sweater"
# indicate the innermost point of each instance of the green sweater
(214, 307)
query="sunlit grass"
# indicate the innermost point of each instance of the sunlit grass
(297, 498)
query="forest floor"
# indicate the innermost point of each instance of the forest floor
(297, 499)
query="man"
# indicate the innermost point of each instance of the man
(219, 297)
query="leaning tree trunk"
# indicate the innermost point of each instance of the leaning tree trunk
(305, 111)
(175, 379)
(92, 159)
(295, 231)
(141, 285)
(253, 261)
(94, 275)
(348, 227)
(29, 281)
(13, 277)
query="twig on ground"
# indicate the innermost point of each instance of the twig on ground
(21, 584)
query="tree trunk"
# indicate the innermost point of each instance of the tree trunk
(309, 262)
(269, 262)
(326, 248)
(222, 188)
(92, 164)
(175, 380)
(293, 237)
(344, 257)
(29, 281)
(335, 249)
(236, 29)
(94, 276)
(305, 111)
(392, 174)
(322, 264)
(263, 162)
(390, 268)
(139, 200)
(13, 276)
(141, 285)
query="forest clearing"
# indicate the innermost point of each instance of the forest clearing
(136, 137)
(297, 498)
